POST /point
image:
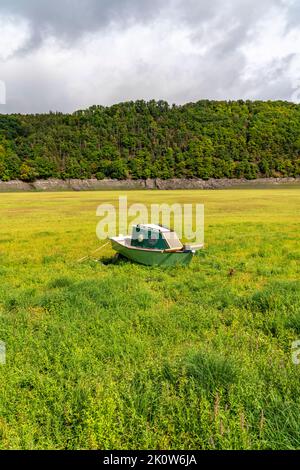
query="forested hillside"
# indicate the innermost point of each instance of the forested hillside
(207, 139)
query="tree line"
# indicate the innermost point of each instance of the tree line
(207, 139)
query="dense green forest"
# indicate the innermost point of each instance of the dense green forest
(207, 139)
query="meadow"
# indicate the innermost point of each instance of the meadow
(115, 355)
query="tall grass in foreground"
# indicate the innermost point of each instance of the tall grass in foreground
(125, 356)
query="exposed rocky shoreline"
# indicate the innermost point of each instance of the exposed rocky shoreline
(53, 184)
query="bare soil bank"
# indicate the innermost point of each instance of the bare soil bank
(53, 184)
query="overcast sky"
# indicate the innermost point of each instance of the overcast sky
(63, 55)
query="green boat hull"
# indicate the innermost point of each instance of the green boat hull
(154, 258)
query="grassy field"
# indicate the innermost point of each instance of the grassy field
(103, 355)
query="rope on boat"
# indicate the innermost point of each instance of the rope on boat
(88, 256)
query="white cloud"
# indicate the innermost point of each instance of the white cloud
(14, 34)
(241, 50)
(269, 42)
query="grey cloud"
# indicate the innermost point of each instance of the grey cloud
(68, 20)
(224, 29)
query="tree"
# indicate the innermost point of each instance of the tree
(152, 139)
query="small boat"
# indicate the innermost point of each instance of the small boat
(154, 245)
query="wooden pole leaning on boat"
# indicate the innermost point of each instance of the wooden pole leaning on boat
(88, 256)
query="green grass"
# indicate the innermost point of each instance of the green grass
(103, 355)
